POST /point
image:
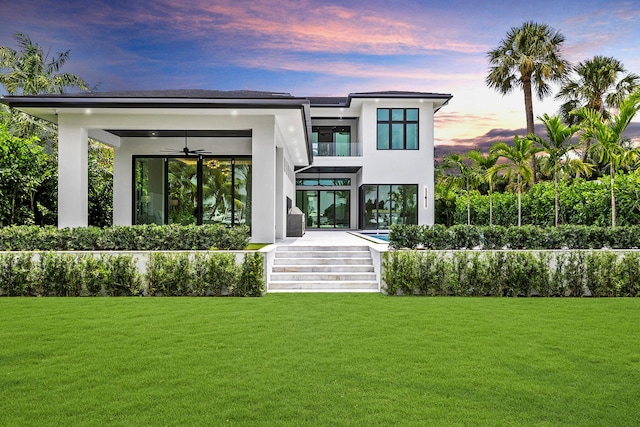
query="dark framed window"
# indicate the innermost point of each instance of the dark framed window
(382, 205)
(192, 190)
(397, 129)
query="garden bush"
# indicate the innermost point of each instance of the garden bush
(167, 274)
(525, 237)
(512, 273)
(124, 238)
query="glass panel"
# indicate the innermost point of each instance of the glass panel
(383, 114)
(310, 208)
(397, 115)
(182, 175)
(412, 114)
(412, 136)
(242, 200)
(370, 206)
(384, 206)
(397, 142)
(327, 209)
(343, 143)
(342, 182)
(397, 204)
(383, 136)
(149, 191)
(342, 209)
(216, 191)
(411, 204)
(314, 142)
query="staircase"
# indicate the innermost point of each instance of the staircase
(322, 269)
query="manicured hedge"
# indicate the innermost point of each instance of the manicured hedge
(525, 237)
(167, 274)
(512, 273)
(124, 238)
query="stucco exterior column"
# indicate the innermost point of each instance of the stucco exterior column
(73, 175)
(263, 205)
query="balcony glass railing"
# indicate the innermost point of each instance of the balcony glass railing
(337, 149)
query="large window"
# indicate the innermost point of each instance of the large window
(331, 140)
(192, 190)
(383, 205)
(398, 129)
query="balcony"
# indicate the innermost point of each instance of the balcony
(337, 149)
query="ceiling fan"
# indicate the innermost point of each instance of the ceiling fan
(186, 150)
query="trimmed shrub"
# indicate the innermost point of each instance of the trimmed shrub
(525, 237)
(125, 238)
(512, 273)
(15, 278)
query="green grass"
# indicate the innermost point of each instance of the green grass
(319, 359)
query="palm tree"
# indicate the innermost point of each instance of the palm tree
(557, 147)
(518, 164)
(31, 72)
(608, 133)
(467, 178)
(530, 56)
(483, 165)
(596, 86)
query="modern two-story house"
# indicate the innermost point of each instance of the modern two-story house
(364, 161)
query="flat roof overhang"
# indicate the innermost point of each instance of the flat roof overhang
(48, 107)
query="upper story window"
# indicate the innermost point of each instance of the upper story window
(398, 129)
(331, 140)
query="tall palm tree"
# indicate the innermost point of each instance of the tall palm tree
(608, 134)
(483, 165)
(596, 85)
(557, 147)
(517, 167)
(31, 72)
(529, 57)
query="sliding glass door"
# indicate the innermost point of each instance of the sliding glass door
(192, 190)
(325, 208)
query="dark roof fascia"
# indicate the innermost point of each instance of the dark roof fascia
(346, 102)
(123, 102)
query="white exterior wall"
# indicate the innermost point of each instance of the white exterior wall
(400, 166)
(73, 174)
(73, 170)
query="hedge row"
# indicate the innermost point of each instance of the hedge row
(525, 237)
(167, 274)
(124, 238)
(512, 273)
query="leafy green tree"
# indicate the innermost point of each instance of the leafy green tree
(30, 71)
(557, 147)
(517, 167)
(482, 165)
(24, 168)
(608, 134)
(465, 177)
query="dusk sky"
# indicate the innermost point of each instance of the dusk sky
(324, 48)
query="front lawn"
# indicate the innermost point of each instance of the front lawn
(319, 359)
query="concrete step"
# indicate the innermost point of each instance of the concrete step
(357, 268)
(369, 285)
(325, 277)
(321, 248)
(323, 261)
(323, 254)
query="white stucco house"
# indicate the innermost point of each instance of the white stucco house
(364, 161)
